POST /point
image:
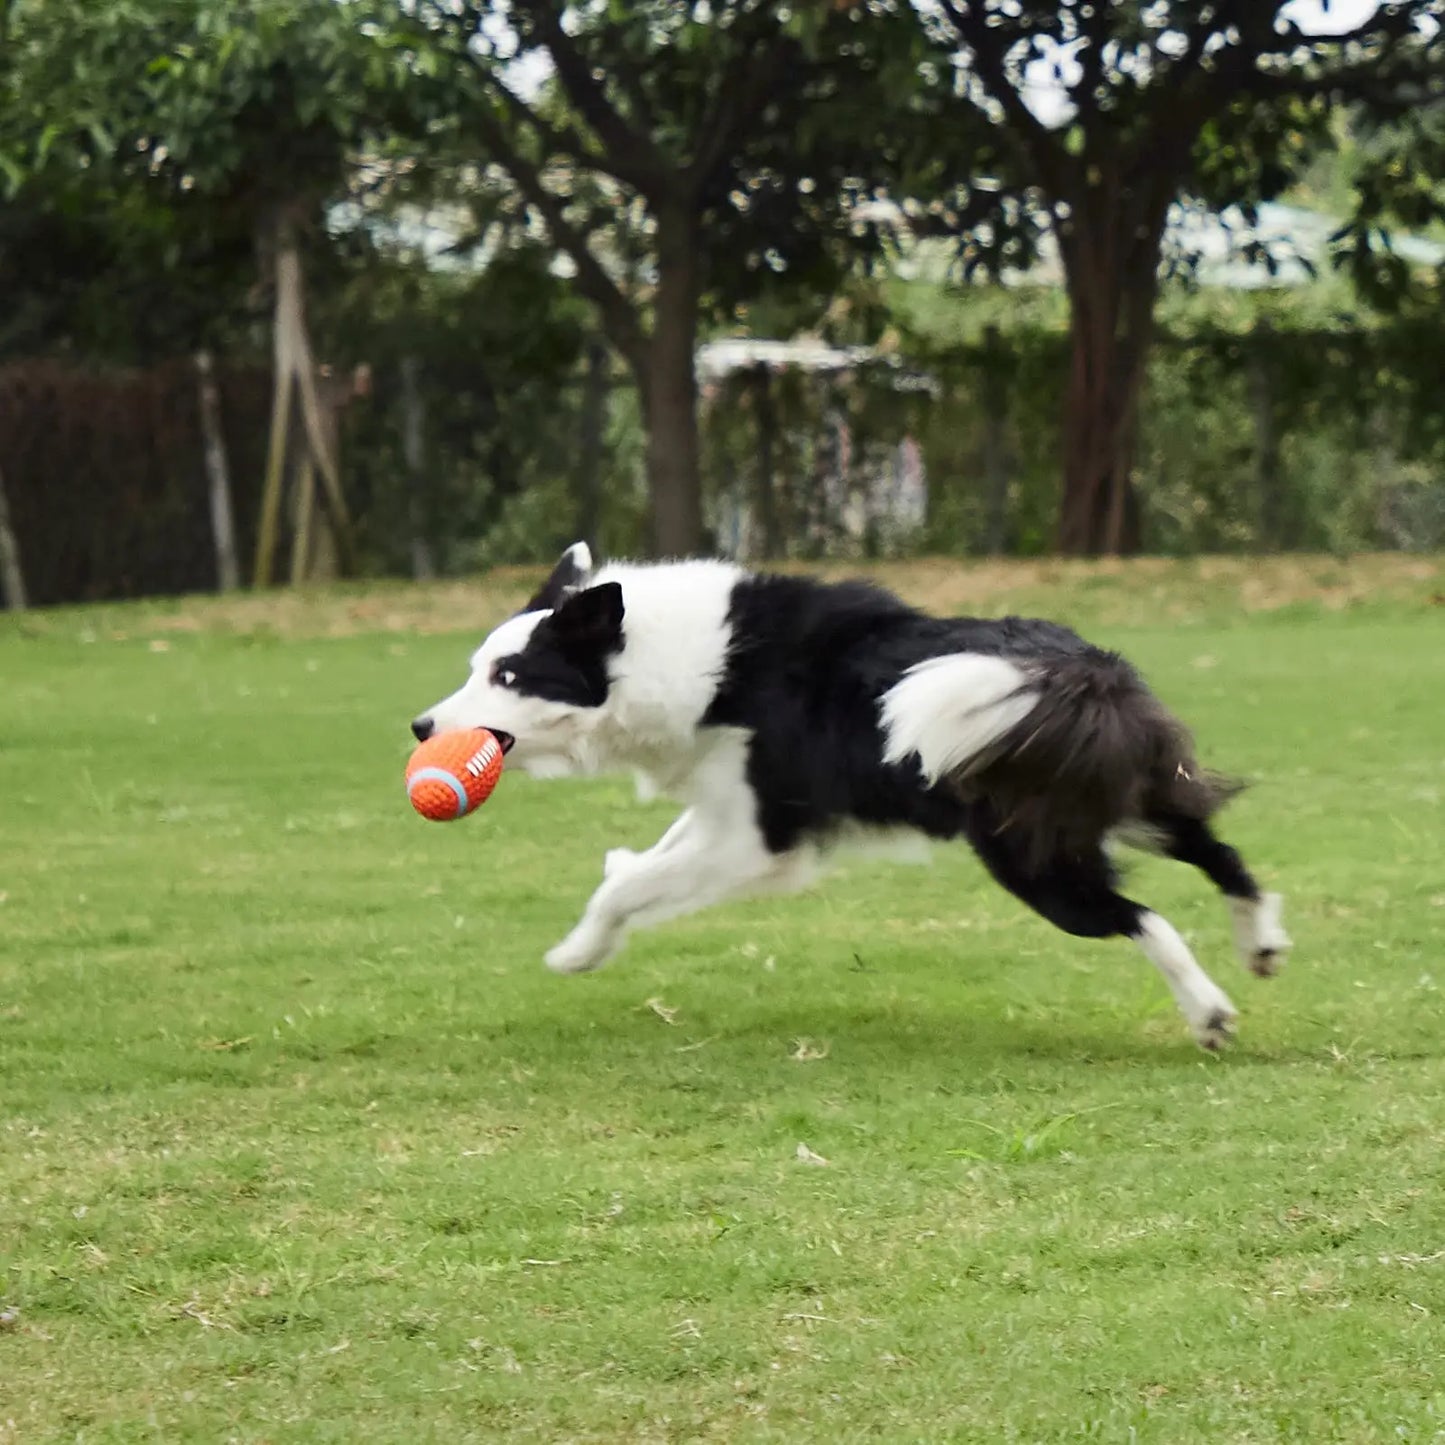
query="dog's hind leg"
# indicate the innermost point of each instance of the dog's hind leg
(1076, 893)
(1259, 935)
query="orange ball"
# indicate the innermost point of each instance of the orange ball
(452, 773)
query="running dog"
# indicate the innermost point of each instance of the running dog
(790, 714)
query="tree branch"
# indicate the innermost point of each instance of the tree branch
(1192, 94)
(619, 318)
(750, 77)
(1095, 32)
(626, 145)
(1364, 81)
(989, 64)
(560, 139)
(630, 82)
(1373, 77)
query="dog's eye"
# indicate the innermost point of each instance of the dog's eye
(504, 677)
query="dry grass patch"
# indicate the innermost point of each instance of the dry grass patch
(1110, 592)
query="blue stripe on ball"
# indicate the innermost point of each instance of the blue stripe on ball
(440, 775)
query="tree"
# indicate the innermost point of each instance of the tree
(261, 107)
(215, 127)
(702, 123)
(1398, 179)
(101, 253)
(1160, 101)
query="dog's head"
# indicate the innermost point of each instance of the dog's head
(541, 679)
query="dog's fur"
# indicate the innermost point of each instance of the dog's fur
(791, 714)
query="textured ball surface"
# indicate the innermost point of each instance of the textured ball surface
(450, 775)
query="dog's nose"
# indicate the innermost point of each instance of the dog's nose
(421, 729)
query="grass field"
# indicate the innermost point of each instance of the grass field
(298, 1141)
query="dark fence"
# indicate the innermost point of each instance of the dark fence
(105, 476)
(1267, 439)
(1255, 440)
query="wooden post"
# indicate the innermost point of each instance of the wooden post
(218, 476)
(731, 539)
(765, 415)
(1381, 432)
(1267, 489)
(268, 526)
(413, 452)
(830, 494)
(995, 393)
(12, 579)
(594, 410)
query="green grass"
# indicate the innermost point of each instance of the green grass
(298, 1141)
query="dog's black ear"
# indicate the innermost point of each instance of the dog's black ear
(569, 575)
(590, 622)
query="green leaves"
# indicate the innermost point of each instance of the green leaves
(12, 174)
(265, 98)
(1152, 103)
(144, 145)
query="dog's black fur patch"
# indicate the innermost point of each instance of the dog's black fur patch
(568, 576)
(565, 658)
(807, 666)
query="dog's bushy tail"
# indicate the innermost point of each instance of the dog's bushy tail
(1062, 747)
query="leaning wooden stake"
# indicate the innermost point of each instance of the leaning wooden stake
(282, 387)
(12, 579)
(301, 543)
(296, 371)
(323, 453)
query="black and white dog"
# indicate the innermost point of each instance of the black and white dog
(789, 714)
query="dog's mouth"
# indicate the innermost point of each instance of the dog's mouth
(507, 741)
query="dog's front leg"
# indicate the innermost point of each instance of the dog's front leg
(700, 860)
(618, 859)
(669, 868)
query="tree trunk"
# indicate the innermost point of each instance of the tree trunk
(218, 476)
(668, 386)
(12, 579)
(1112, 275)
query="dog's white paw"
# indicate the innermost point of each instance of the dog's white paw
(1259, 935)
(1213, 1025)
(581, 951)
(617, 861)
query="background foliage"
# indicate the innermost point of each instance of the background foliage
(146, 153)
